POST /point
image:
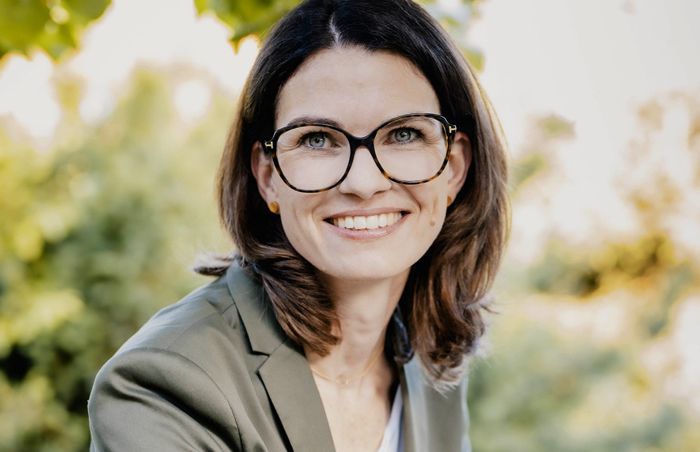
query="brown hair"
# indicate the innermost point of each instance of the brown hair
(443, 300)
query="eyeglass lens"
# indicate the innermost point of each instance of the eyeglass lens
(409, 149)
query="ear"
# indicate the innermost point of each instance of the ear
(263, 169)
(458, 163)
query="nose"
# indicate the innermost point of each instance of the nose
(364, 178)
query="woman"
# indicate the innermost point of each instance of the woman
(364, 187)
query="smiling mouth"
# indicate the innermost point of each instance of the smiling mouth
(359, 222)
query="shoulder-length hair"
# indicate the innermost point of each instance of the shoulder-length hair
(444, 298)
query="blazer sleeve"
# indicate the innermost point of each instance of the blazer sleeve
(152, 399)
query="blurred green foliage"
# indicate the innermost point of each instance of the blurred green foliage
(95, 236)
(54, 26)
(246, 18)
(98, 231)
(547, 391)
(579, 331)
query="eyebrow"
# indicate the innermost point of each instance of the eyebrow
(314, 120)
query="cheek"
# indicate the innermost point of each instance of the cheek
(293, 220)
(296, 215)
(433, 204)
(297, 232)
(437, 215)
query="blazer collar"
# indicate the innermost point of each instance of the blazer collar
(285, 373)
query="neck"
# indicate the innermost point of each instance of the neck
(364, 310)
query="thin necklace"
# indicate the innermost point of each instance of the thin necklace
(347, 380)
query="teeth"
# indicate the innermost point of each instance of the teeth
(373, 222)
(370, 222)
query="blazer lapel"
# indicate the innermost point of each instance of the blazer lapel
(412, 391)
(291, 388)
(431, 420)
(285, 373)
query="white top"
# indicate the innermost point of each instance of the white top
(392, 440)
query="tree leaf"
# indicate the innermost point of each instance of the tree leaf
(21, 23)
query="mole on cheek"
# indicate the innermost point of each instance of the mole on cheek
(433, 219)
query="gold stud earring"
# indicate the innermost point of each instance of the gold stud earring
(449, 200)
(274, 207)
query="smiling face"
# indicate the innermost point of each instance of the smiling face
(367, 227)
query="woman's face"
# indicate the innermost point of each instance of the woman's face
(359, 90)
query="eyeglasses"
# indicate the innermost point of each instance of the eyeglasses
(409, 149)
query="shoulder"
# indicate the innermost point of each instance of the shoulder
(207, 311)
(170, 383)
(201, 331)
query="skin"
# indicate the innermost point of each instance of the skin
(365, 274)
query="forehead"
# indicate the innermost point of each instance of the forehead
(355, 87)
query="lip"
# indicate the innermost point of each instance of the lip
(366, 234)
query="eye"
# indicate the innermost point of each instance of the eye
(405, 135)
(315, 140)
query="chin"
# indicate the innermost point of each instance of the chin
(363, 270)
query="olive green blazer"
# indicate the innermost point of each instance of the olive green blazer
(214, 372)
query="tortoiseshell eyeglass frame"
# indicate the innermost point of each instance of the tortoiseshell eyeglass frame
(270, 147)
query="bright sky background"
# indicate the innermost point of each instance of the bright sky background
(594, 62)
